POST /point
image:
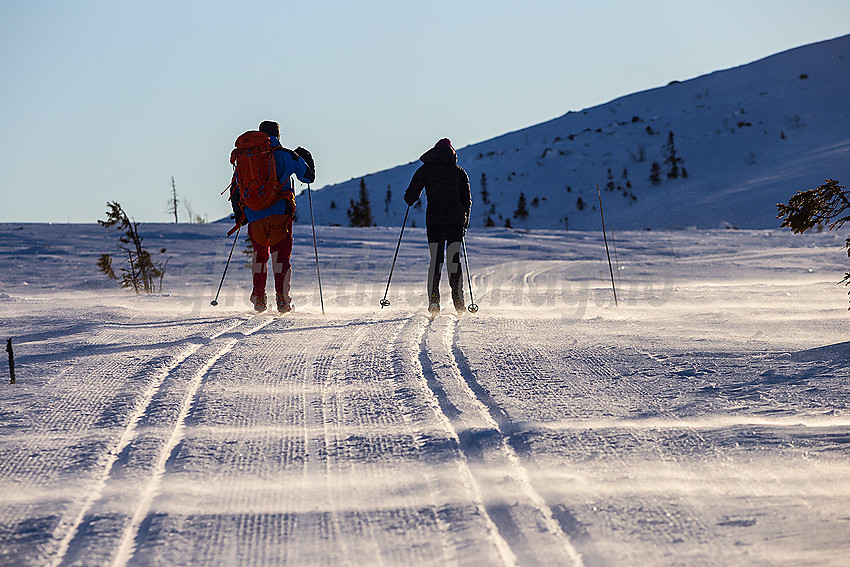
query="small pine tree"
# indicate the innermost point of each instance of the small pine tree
(141, 272)
(521, 211)
(387, 198)
(485, 196)
(671, 158)
(580, 204)
(610, 186)
(360, 213)
(816, 207)
(655, 173)
(489, 222)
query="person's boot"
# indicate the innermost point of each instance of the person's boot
(284, 304)
(259, 302)
(460, 307)
(457, 296)
(434, 304)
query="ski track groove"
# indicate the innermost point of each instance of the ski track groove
(370, 402)
(449, 414)
(595, 379)
(519, 542)
(321, 372)
(69, 542)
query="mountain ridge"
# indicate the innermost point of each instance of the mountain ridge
(749, 137)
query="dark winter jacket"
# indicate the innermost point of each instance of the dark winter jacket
(446, 187)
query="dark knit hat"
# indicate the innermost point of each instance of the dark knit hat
(270, 128)
(443, 142)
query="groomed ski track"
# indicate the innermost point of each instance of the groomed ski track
(548, 429)
(312, 420)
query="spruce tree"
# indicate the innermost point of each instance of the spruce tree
(816, 207)
(610, 185)
(360, 213)
(521, 211)
(141, 272)
(485, 196)
(655, 173)
(671, 158)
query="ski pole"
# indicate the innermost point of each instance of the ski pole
(610, 269)
(315, 248)
(473, 308)
(214, 302)
(385, 301)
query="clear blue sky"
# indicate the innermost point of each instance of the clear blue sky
(107, 100)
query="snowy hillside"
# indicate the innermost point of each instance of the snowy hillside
(750, 137)
(705, 421)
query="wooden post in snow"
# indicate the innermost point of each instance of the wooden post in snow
(11, 361)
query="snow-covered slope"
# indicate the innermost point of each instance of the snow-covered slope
(750, 137)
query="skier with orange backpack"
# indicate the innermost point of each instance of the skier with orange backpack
(262, 196)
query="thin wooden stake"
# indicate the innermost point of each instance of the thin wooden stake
(11, 360)
(605, 237)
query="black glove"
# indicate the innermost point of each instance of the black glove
(304, 154)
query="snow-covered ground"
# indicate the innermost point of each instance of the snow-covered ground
(704, 421)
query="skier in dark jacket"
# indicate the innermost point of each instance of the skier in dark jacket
(446, 187)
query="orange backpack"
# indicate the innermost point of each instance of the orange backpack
(255, 174)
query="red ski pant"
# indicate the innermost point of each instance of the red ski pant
(271, 237)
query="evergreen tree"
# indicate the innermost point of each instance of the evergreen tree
(610, 185)
(580, 204)
(655, 173)
(387, 200)
(816, 207)
(671, 158)
(489, 222)
(360, 213)
(521, 211)
(142, 271)
(485, 196)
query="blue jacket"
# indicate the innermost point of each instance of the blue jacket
(286, 163)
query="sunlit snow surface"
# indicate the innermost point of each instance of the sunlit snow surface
(704, 421)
